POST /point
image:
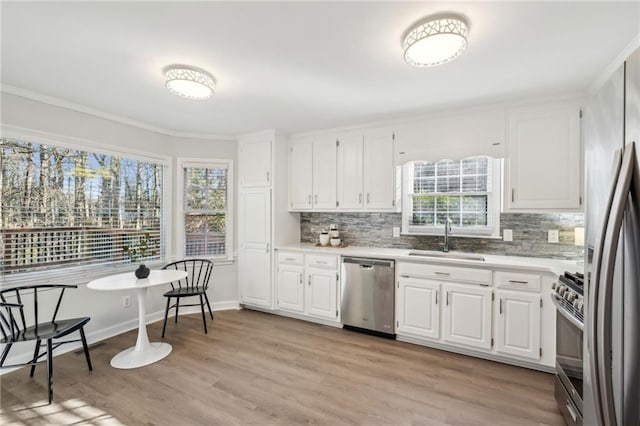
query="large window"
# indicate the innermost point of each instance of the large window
(464, 191)
(64, 207)
(206, 207)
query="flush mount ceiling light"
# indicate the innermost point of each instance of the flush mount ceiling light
(435, 41)
(189, 82)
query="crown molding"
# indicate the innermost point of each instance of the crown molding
(62, 103)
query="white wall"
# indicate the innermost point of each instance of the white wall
(108, 317)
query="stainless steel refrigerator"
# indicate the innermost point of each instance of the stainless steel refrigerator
(612, 298)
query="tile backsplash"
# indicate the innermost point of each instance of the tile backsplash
(529, 234)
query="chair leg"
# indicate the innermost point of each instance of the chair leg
(36, 353)
(166, 315)
(208, 305)
(204, 318)
(50, 369)
(5, 352)
(177, 307)
(86, 348)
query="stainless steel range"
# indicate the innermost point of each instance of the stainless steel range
(567, 296)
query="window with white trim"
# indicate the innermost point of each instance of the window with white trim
(466, 191)
(64, 207)
(206, 208)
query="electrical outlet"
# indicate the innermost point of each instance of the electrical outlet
(554, 236)
(507, 234)
(126, 301)
(396, 232)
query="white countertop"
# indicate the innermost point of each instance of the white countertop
(553, 266)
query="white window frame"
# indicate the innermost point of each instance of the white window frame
(493, 205)
(83, 274)
(183, 162)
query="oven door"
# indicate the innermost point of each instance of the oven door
(569, 355)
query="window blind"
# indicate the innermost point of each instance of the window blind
(65, 207)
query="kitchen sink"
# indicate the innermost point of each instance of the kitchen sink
(443, 255)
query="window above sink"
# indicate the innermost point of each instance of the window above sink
(467, 191)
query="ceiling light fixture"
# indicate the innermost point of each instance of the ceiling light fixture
(435, 41)
(189, 82)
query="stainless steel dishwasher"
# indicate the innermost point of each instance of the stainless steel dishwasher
(368, 294)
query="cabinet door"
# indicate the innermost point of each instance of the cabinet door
(544, 159)
(467, 315)
(324, 174)
(290, 288)
(418, 310)
(518, 323)
(254, 254)
(322, 293)
(350, 193)
(255, 163)
(379, 171)
(300, 175)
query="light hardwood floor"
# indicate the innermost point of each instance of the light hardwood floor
(256, 368)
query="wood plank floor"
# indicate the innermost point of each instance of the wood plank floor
(256, 368)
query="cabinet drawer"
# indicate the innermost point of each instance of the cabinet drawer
(444, 272)
(321, 261)
(517, 280)
(290, 258)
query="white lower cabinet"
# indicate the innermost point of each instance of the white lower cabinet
(518, 323)
(290, 287)
(322, 293)
(308, 285)
(417, 307)
(467, 315)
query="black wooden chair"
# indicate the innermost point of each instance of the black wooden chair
(195, 284)
(15, 329)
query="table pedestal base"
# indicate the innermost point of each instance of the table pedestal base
(131, 358)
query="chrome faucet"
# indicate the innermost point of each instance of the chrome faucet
(447, 232)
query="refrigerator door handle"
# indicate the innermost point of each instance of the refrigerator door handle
(594, 293)
(609, 254)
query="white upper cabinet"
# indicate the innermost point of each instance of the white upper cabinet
(301, 175)
(379, 170)
(255, 163)
(543, 167)
(324, 173)
(350, 168)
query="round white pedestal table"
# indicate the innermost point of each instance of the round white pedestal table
(144, 352)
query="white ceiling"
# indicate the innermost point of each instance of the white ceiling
(301, 66)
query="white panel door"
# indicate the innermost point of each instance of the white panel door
(518, 323)
(322, 293)
(379, 171)
(350, 178)
(544, 159)
(290, 288)
(418, 307)
(467, 315)
(324, 174)
(255, 163)
(300, 175)
(254, 255)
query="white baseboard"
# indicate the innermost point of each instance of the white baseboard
(108, 332)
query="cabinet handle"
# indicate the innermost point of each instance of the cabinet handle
(267, 176)
(513, 195)
(444, 274)
(436, 297)
(316, 198)
(290, 259)
(368, 197)
(300, 279)
(447, 302)
(360, 198)
(309, 198)
(518, 282)
(501, 306)
(309, 280)
(267, 247)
